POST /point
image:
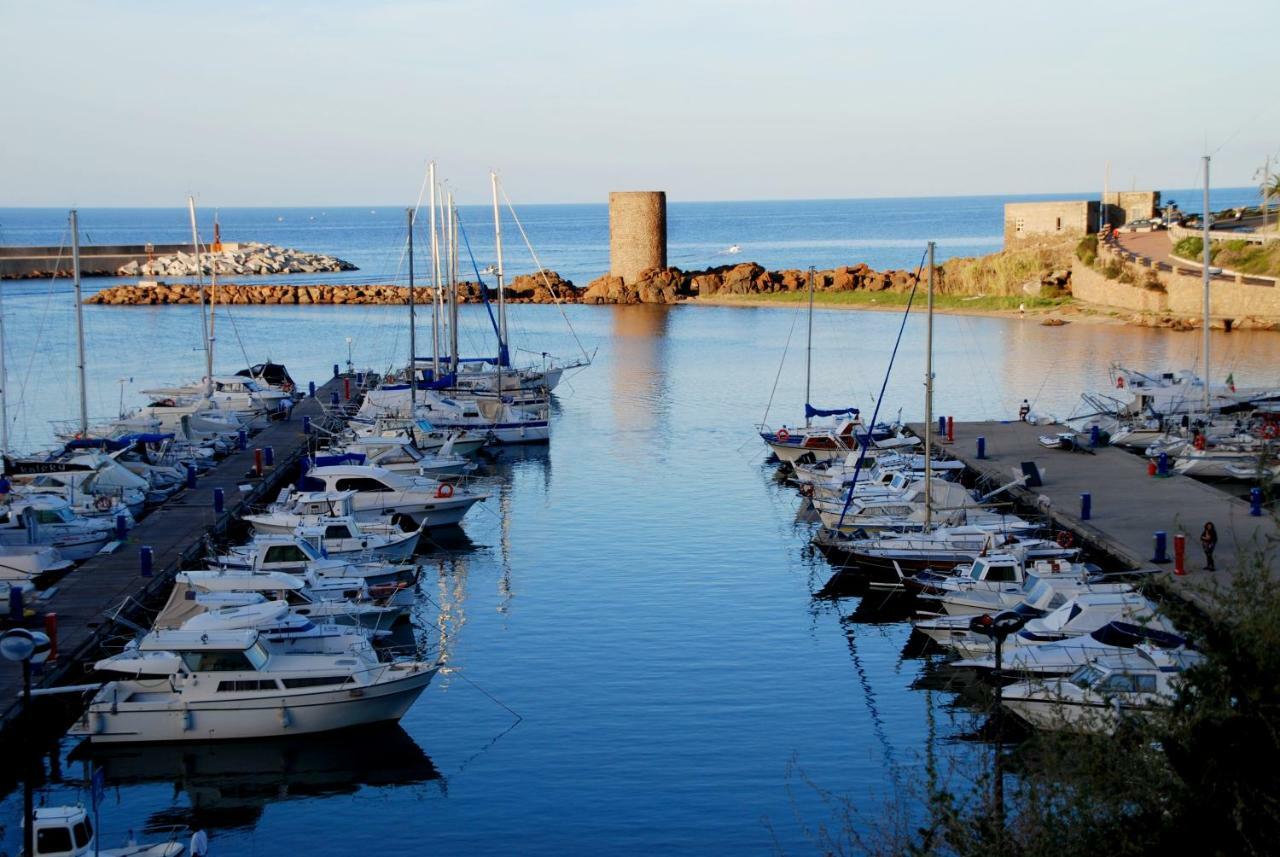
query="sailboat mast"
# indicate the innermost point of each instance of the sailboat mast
(808, 353)
(453, 288)
(204, 315)
(4, 384)
(1204, 224)
(80, 362)
(928, 404)
(435, 270)
(413, 332)
(502, 300)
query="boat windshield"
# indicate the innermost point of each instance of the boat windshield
(978, 570)
(1086, 676)
(257, 655)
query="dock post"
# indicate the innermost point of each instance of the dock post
(360, 379)
(191, 475)
(1095, 437)
(346, 388)
(333, 399)
(1162, 540)
(144, 560)
(122, 527)
(1255, 502)
(942, 425)
(335, 370)
(15, 603)
(1180, 553)
(1086, 506)
(242, 440)
(51, 631)
(951, 429)
(306, 425)
(257, 461)
(219, 500)
(269, 456)
(311, 386)
(1162, 464)
(982, 447)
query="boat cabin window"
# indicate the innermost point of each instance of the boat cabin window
(242, 684)
(206, 662)
(314, 681)
(1118, 684)
(53, 516)
(1002, 573)
(83, 832)
(285, 553)
(337, 531)
(53, 840)
(1086, 676)
(360, 483)
(978, 570)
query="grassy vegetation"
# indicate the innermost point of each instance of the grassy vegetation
(983, 303)
(1243, 256)
(1005, 272)
(1087, 249)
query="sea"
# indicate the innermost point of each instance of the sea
(640, 657)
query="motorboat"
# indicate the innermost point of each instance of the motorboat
(234, 393)
(93, 482)
(21, 565)
(67, 831)
(944, 548)
(500, 421)
(996, 572)
(382, 494)
(343, 536)
(401, 454)
(296, 555)
(1115, 641)
(220, 685)
(48, 519)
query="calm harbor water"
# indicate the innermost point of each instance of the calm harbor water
(641, 593)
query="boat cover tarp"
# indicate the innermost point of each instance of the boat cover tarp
(811, 411)
(345, 458)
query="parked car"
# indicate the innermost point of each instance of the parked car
(1141, 226)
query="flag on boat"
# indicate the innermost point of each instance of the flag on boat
(1231, 382)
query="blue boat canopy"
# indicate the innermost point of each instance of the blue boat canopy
(334, 460)
(811, 411)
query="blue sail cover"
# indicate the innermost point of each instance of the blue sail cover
(811, 411)
(345, 458)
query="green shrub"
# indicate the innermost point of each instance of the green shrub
(1189, 248)
(1236, 246)
(1087, 249)
(1112, 270)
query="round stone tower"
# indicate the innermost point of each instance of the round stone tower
(637, 232)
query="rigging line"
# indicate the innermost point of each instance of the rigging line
(35, 349)
(871, 427)
(543, 273)
(795, 316)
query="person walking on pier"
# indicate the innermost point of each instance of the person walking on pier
(1209, 541)
(1024, 410)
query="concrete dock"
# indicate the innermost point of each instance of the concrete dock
(1128, 505)
(88, 597)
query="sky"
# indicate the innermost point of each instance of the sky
(330, 103)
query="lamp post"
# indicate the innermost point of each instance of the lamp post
(350, 366)
(998, 627)
(27, 647)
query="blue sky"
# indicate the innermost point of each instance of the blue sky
(139, 103)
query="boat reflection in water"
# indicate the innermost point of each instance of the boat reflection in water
(230, 783)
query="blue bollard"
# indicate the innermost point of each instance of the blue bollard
(942, 425)
(1095, 436)
(144, 560)
(268, 456)
(122, 527)
(1255, 502)
(982, 447)
(191, 476)
(333, 398)
(1162, 464)
(359, 379)
(242, 440)
(335, 370)
(219, 500)
(4, 485)
(15, 603)
(1086, 506)
(311, 386)
(306, 425)
(1162, 543)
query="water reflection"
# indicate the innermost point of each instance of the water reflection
(228, 784)
(640, 385)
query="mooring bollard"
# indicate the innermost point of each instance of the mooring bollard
(311, 386)
(333, 398)
(1162, 468)
(951, 429)
(242, 440)
(1180, 553)
(1095, 436)
(51, 631)
(191, 475)
(1255, 502)
(346, 389)
(942, 425)
(144, 560)
(1161, 544)
(306, 425)
(1151, 467)
(360, 379)
(1086, 506)
(269, 456)
(335, 370)
(219, 500)
(257, 461)
(982, 447)
(122, 527)
(15, 603)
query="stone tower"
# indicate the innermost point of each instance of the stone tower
(637, 232)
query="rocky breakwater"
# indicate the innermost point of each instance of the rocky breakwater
(247, 258)
(672, 285)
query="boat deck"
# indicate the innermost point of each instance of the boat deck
(86, 599)
(1128, 505)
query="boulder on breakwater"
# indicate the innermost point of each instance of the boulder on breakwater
(246, 258)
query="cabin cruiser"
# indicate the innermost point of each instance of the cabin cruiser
(67, 831)
(876, 468)
(382, 493)
(233, 393)
(344, 537)
(220, 685)
(826, 441)
(1100, 694)
(20, 565)
(951, 504)
(401, 454)
(294, 554)
(1115, 640)
(503, 422)
(997, 572)
(944, 548)
(427, 438)
(272, 376)
(47, 519)
(94, 483)
(1039, 599)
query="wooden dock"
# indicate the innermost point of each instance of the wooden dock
(1128, 505)
(86, 599)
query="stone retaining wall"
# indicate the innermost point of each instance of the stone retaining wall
(1181, 297)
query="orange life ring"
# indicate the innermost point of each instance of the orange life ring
(444, 491)
(1120, 382)
(103, 504)
(1199, 442)
(783, 435)
(1270, 431)
(1066, 539)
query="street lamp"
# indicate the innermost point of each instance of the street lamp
(998, 627)
(350, 366)
(28, 647)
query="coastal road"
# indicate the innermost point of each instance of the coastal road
(1157, 247)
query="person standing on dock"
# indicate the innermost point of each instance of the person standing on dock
(1024, 410)
(1209, 541)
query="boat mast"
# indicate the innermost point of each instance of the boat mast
(1204, 223)
(808, 353)
(413, 334)
(435, 274)
(204, 316)
(453, 289)
(4, 395)
(75, 278)
(502, 300)
(928, 404)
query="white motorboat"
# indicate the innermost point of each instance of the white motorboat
(48, 519)
(344, 538)
(400, 454)
(21, 564)
(497, 420)
(67, 831)
(382, 494)
(94, 483)
(220, 685)
(996, 572)
(945, 548)
(1114, 641)
(295, 555)
(233, 393)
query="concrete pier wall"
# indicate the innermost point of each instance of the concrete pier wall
(95, 260)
